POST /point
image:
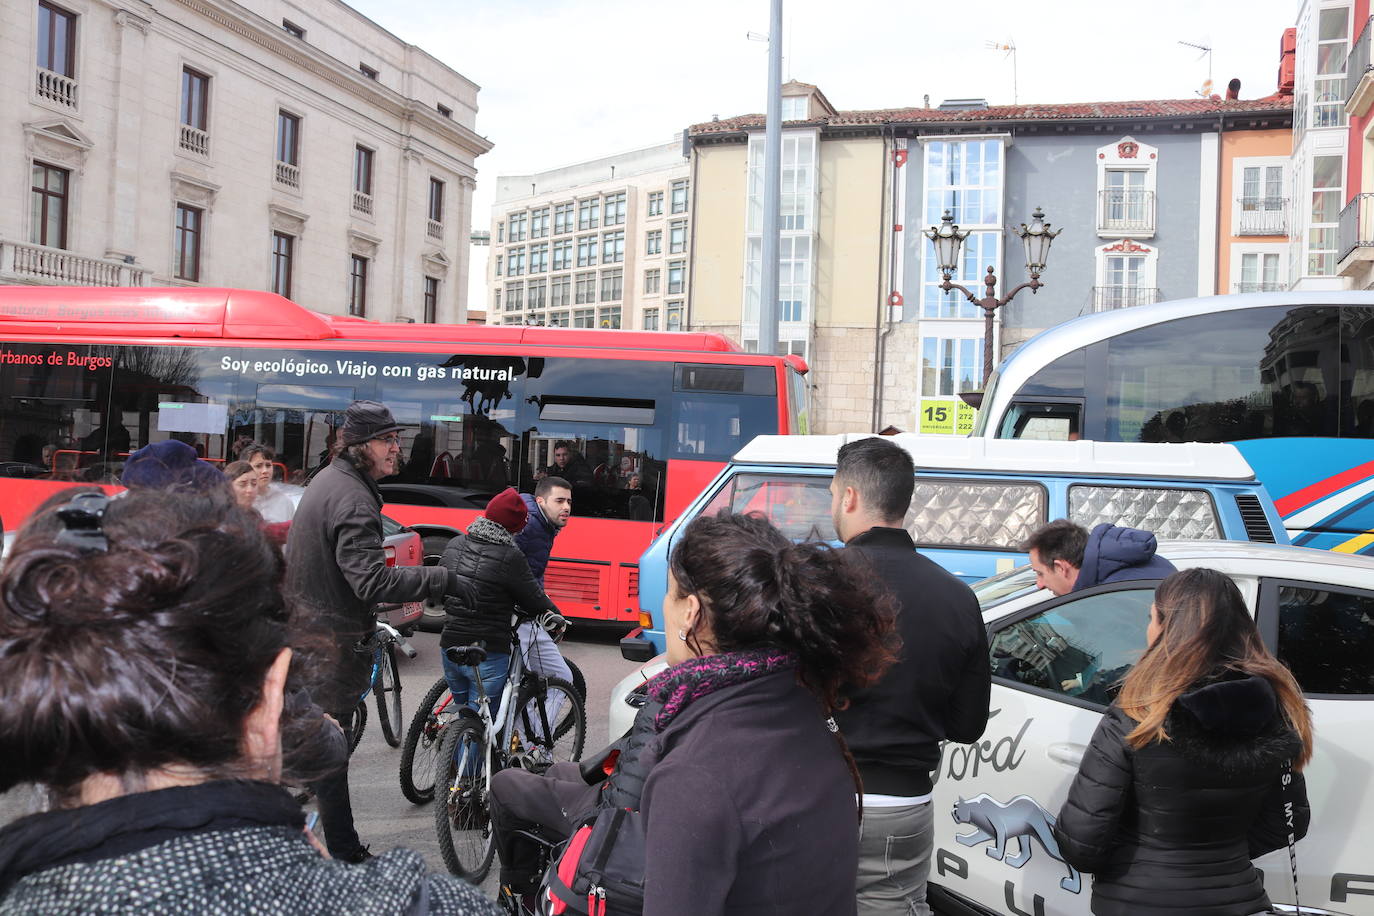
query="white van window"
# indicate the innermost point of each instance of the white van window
(1168, 512)
(1081, 648)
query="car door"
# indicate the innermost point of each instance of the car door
(1054, 662)
(1324, 633)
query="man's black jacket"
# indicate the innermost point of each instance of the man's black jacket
(940, 685)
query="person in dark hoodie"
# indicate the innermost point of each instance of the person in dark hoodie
(1067, 558)
(937, 691)
(1182, 783)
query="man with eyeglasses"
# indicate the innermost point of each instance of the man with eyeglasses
(336, 569)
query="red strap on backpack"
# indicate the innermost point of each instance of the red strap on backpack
(567, 869)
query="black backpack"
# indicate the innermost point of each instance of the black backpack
(600, 871)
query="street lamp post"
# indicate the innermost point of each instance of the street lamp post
(949, 238)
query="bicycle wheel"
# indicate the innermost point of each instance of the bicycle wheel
(354, 724)
(579, 681)
(421, 748)
(551, 707)
(387, 687)
(461, 818)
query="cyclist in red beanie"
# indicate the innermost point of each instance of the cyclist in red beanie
(501, 584)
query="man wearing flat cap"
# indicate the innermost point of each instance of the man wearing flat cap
(337, 569)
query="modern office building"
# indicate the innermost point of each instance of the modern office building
(603, 243)
(1135, 186)
(290, 146)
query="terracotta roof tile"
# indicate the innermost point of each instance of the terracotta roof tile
(1151, 108)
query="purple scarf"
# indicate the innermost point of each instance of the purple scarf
(681, 685)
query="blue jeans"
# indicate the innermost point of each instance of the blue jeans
(464, 689)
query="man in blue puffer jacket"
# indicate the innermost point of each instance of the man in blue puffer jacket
(1067, 558)
(547, 511)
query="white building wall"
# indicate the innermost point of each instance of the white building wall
(121, 141)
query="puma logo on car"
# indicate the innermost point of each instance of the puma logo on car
(1021, 818)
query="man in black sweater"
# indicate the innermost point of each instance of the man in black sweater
(938, 690)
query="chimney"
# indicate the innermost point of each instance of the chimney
(1287, 61)
(1233, 90)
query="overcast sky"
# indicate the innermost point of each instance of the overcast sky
(568, 80)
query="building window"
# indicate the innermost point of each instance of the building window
(653, 242)
(1125, 201)
(794, 278)
(558, 319)
(500, 232)
(517, 226)
(1328, 91)
(367, 71)
(562, 254)
(609, 317)
(537, 289)
(562, 219)
(444, 110)
(436, 200)
(195, 99)
(677, 236)
(584, 318)
(496, 300)
(1328, 190)
(613, 247)
(431, 310)
(655, 207)
(679, 196)
(950, 365)
(515, 262)
(539, 223)
(614, 209)
(586, 289)
(292, 29)
(586, 251)
(283, 253)
(1260, 272)
(588, 214)
(515, 297)
(49, 206)
(651, 319)
(560, 292)
(499, 260)
(288, 138)
(186, 257)
(1262, 187)
(539, 258)
(964, 176)
(362, 170)
(56, 40)
(652, 279)
(676, 274)
(357, 286)
(674, 316)
(795, 108)
(612, 285)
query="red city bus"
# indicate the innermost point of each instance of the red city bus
(648, 418)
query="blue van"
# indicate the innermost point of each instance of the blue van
(978, 500)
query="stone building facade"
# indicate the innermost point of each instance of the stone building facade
(289, 146)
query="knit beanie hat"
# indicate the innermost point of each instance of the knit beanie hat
(162, 465)
(508, 510)
(366, 420)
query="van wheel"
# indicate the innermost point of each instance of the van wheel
(433, 619)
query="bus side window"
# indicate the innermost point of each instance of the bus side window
(52, 417)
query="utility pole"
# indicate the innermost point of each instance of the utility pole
(772, 187)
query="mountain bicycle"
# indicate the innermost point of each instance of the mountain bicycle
(385, 683)
(541, 721)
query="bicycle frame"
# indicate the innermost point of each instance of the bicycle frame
(383, 633)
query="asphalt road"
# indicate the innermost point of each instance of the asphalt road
(383, 816)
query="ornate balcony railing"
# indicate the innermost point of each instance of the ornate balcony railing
(1129, 211)
(1106, 298)
(434, 229)
(289, 175)
(362, 202)
(57, 266)
(1357, 69)
(56, 88)
(1262, 216)
(1356, 226)
(195, 140)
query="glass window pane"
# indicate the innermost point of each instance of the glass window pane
(1332, 24)
(1326, 638)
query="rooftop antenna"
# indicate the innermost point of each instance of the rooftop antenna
(1206, 50)
(1009, 46)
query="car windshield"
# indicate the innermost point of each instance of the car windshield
(1004, 586)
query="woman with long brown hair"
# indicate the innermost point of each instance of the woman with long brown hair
(1182, 784)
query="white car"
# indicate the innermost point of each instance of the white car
(1315, 609)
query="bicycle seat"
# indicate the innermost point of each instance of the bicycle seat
(470, 656)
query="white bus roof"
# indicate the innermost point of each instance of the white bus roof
(1107, 459)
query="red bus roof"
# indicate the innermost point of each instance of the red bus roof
(254, 315)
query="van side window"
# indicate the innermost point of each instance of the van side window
(957, 513)
(798, 506)
(1166, 511)
(1081, 648)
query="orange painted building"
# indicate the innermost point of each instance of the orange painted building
(1254, 202)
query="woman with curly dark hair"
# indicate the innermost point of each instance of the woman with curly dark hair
(146, 648)
(1182, 784)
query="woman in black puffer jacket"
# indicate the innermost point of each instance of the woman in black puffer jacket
(1180, 787)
